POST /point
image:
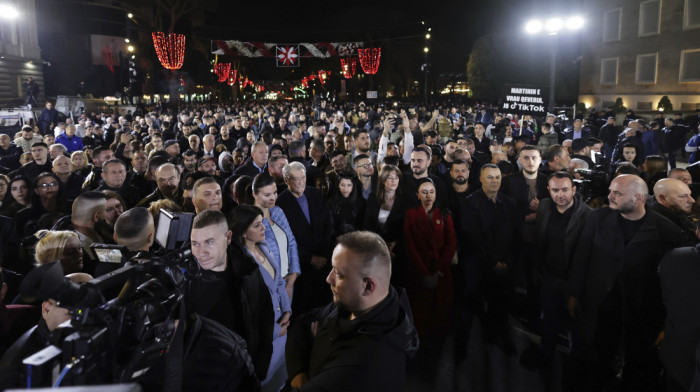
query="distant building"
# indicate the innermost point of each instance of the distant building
(640, 51)
(20, 56)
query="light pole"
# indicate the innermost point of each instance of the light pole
(425, 66)
(552, 27)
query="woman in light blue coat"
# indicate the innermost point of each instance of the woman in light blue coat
(248, 230)
(280, 239)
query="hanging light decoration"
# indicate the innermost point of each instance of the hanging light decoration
(232, 76)
(369, 59)
(222, 70)
(170, 48)
(348, 66)
(323, 75)
(244, 83)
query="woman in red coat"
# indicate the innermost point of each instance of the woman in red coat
(430, 242)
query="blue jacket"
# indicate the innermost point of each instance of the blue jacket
(280, 218)
(692, 147)
(72, 144)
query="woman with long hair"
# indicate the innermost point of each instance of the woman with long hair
(280, 239)
(18, 196)
(346, 205)
(266, 317)
(384, 215)
(47, 198)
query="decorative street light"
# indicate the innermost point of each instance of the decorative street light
(553, 26)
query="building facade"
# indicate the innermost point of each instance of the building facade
(20, 56)
(641, 51)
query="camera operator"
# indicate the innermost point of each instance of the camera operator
(135, 230)
(555, 159)
(582, 150)
(35, 288)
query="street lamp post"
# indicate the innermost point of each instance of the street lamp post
(552, 27)
(425, 67)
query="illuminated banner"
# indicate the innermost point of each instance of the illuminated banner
(264, 49)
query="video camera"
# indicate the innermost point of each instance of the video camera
(593, 185)
(117, 340)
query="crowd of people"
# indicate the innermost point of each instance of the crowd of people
(341, 242)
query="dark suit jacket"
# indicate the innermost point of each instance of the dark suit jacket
(247, 169)
(312, 238)
(516, 187)
(679, 272)
(603, 262)
(585, 134)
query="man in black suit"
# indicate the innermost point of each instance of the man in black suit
(310, 223)
(679, 272)
(256, 163)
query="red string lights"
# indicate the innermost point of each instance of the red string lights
(348, 66)
(323, 75)
(369, 59)
(170, 48)
(222, 70)
(232, 76)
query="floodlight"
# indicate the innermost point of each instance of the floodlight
(533, 27)
(553, 25)
(574, 23)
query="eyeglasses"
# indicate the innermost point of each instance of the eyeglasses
(51, 184)
(365, 166)
(295, 179)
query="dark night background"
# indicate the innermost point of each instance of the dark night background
(494, 28)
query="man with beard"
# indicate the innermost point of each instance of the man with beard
(459, 189)
(528, 186)
(366, 180)
(189, 159)
(207, 165)
(362, 144)
(114, 179)
(420, 161)
(100, 155)
(225, 138)
(449, 156)
(168, 180)
(615, 290)
(560, 221)
(274, 166)
(673, 200)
